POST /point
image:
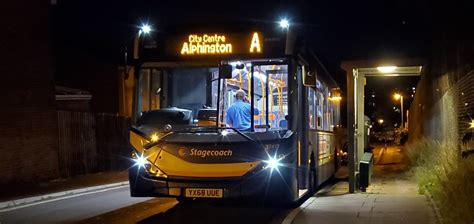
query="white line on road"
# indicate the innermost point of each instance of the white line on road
(64, 195)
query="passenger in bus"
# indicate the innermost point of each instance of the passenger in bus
(238, 114)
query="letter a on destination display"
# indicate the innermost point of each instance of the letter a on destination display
(255, 44)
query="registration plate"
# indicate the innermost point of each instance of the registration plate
(204, 193)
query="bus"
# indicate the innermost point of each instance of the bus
(181, 143)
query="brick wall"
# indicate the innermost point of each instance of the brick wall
(444, 102)
(28, 122)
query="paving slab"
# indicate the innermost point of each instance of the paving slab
(392, 198)
(389, 205)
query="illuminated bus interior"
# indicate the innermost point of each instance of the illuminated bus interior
(196, 89)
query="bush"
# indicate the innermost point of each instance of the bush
(440, 170)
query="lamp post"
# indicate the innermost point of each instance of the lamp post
(397, 96)
(145, 29)
(285, 25)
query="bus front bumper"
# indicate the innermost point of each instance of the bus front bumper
(249, 185)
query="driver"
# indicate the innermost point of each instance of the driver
(238, 114)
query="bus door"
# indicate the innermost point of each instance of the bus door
(270, 96)
(303, 128)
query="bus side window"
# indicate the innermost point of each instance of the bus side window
(311, 109)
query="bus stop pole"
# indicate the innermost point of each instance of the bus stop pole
(351, 128)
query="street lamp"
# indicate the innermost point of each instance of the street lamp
(145, 29)
(380, 121)
(398, 96)
(386, 69)
(284, 23)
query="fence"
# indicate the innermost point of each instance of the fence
(90, 143)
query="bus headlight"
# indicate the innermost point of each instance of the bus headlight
(273, 163)
(140, 161)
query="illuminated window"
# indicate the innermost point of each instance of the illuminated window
(311, 109)
(269, 95)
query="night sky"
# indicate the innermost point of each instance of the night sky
(338, 30)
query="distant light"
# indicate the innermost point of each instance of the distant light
(335, 94)
(471, 124)
(397, 96)
(380, 121)
(145, 29)
(224, 133)
(284, 24)
(386, 69)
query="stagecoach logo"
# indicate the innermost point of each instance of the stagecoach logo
(182, 152)
(203, 153)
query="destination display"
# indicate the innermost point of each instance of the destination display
(209, 44)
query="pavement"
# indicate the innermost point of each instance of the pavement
(392, 197)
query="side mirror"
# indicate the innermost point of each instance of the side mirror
(225, 71)
(309, 77)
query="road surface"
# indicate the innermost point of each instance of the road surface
(116, 206)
